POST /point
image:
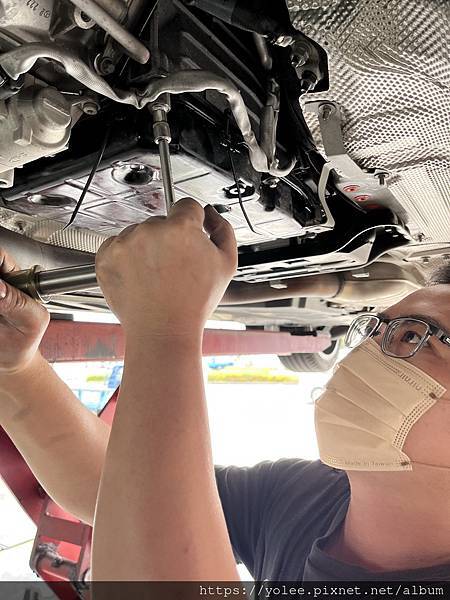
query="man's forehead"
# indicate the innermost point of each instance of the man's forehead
(431, 302)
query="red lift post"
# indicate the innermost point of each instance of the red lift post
(61, 550)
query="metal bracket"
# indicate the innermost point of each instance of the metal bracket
(368, 189)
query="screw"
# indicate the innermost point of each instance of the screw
(382, 177)
(362, 198)
(283, 41)
(308, 82)
(298, 60)
(104, 65)
(90, 108)
(325, 110)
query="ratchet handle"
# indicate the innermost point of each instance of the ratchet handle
(26, 281)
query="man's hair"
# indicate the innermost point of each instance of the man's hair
(440, 275)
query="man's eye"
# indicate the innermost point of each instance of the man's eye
(411, 337)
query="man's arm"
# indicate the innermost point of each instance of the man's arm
(158, 514)
(63, 443)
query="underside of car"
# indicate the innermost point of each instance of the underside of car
(318, 128)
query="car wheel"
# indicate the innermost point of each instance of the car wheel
(312, 362)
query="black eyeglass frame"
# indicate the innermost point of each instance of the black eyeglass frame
(432, 330)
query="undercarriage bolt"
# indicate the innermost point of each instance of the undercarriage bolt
(327, 109)
(104, 65)
(90, 108)
(382, 175)
(299, 54)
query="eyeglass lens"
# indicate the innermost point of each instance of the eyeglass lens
(404, 336)
(361, 329)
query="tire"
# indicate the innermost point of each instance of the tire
(312, 362)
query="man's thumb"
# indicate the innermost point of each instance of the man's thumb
(21, 311)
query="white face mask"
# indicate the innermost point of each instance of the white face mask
(368, 408)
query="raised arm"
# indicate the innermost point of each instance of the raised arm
(63, 443)
(158, 514)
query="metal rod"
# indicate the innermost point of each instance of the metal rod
(70, 279)
(263, 51)
(132, 46)
(166, 173)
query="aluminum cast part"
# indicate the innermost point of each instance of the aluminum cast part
(132, 46)
(34, 123)
(25, 21)
(389, 67)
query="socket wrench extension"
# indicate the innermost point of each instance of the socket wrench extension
(163, 137)
(42, 285)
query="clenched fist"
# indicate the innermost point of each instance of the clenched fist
(22, 323)
(166, 276)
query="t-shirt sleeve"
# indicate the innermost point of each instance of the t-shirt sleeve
(247, 495)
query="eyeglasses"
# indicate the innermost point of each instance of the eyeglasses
(402, 337)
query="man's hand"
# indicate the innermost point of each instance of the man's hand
(166, 276)
(22, 323)
(163, 279)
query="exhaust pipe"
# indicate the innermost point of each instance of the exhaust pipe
(385, 284)
(314, 286)
(28, 252)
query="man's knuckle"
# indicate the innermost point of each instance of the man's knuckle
(142, 233)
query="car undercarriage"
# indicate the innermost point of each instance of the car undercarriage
(318, 129)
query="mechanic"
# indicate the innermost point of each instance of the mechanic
(381, 511)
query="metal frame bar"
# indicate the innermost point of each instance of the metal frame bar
(67, 341)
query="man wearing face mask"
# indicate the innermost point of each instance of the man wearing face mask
(375, 507)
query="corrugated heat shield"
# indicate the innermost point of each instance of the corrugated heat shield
(389, 63)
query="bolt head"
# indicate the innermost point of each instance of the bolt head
(362, 197)
(104, 65)
(327, 109)
(90, 108)
(298, 60)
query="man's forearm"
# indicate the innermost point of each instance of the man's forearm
(158, 503)
(63, 443)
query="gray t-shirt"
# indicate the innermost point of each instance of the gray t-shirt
(280, 516)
